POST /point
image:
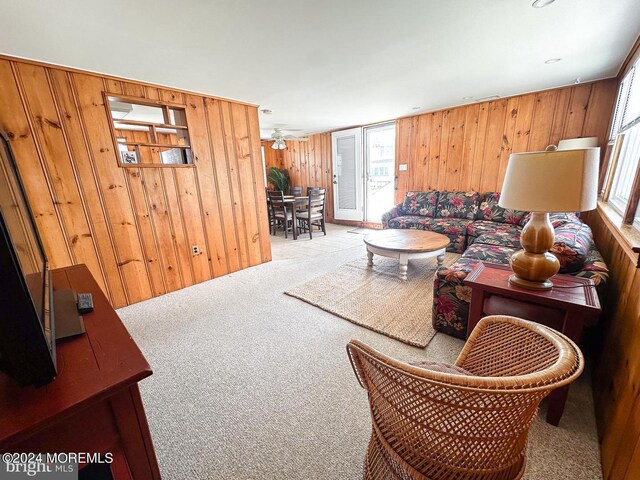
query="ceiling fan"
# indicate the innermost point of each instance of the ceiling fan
(279, 138)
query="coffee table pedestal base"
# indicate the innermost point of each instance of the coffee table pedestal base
(403, 257)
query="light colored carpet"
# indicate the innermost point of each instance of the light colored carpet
(376, 298)
(362, 230)
(249, 383)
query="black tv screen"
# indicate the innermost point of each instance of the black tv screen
(27, 340)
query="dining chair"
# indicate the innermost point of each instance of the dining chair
(295, 191)
(282, 213)
(469, 420)
(272, 220)
(313, 189)
(313, 212)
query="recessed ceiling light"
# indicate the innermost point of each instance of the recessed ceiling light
(552, 60)
(467, 98)
(266, 111)
(416, 108)
(542, 3)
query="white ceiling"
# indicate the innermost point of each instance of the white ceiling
(327, 64)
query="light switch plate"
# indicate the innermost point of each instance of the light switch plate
(403, 167)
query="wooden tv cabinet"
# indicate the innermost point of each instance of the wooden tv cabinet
(93, 405)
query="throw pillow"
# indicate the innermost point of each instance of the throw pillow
(458, 205)
(420, 203)
(490, 210)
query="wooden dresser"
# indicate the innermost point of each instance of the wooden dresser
(93, 405)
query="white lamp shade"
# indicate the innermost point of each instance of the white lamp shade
(552, 181)
(575, 143)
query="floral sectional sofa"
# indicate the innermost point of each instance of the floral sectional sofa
(480, 231)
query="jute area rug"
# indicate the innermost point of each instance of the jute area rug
(377, 299)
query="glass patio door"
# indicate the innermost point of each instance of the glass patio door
(380, 158)
(348, 174)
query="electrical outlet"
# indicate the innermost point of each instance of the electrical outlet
(196, 250)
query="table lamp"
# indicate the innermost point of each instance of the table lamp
(542, 182)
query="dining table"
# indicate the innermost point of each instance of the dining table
(294, 201)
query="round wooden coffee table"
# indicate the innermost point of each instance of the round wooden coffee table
(406, 245)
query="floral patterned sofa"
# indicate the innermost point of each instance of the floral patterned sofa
(480, 230)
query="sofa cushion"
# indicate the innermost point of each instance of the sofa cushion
(420, 203)
(480, 227)
(451, 297)
(417, 222)
(454, 228)
(503, 239)
(490, 210)
(557, 219)
(594, 268)
(490, 253)
(457, 205)
(573, 241)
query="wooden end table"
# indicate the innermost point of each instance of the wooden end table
(566, 307)
(406, 245)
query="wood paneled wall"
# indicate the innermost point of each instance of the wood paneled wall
(308, 163)
(134, 227)
(616, 383)
(467, 148)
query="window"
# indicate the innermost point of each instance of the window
(622, 182)
(625, 173)
(149, 133)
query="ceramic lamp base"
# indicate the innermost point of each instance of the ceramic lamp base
(534, 266)
(522, 283)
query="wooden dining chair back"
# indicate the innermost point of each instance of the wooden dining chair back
(295, 191)
(312, 213)
(272, 221)
(314, 189)
(282, 213)
(469, 420)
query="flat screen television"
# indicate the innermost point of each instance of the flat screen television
(27, 338)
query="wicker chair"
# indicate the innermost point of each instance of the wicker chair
(433, 425)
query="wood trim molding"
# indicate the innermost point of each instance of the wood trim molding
(633, 53)
(627, 236)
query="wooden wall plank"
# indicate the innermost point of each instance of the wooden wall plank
(189, 205)
(577, 111)
(14, 122)
(181, 242)
(93, 202)
(160, 218)
(199, 133)
(493, 146)
(146, 233)
(455, 146)
(236, 189)
(58, 165)
(259, 183)
(219, 149)
(247, 184)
